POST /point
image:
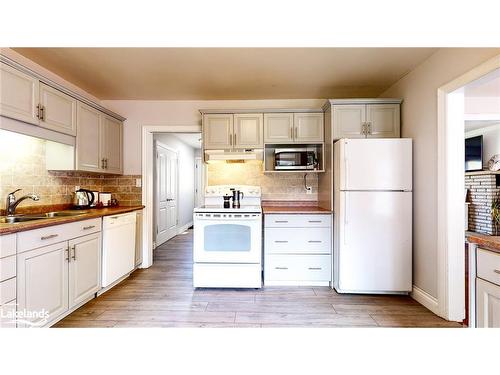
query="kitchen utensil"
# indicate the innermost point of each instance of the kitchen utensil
(83, 198)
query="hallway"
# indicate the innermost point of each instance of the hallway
(162, 296)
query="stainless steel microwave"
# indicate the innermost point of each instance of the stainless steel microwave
(295, 159)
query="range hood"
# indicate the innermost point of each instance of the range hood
(240, 155)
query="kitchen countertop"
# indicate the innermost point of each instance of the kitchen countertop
(41, 223)
(294, 210)
(485, 241)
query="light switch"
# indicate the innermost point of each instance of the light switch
(138, 182)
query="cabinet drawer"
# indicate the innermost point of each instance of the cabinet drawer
(7, 291)
(7, 315)
(36, 238)
(297, 267)
(7, 245)
(7, 268)
(297, 241)
(297, 221)
(488, 266)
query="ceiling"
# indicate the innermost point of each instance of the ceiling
(191, 139)
(229, 73)
(487, 86)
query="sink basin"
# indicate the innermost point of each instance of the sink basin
(48, 215)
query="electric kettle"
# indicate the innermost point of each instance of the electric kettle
(83, 198)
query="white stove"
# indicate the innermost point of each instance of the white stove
(227, 249)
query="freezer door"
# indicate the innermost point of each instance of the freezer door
(376, 164)
(375, 242)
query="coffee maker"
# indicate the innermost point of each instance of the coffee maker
(236, 197)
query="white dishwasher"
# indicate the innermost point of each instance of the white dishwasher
(118, 247)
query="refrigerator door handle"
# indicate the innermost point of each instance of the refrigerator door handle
(346, 221)
(346, 168)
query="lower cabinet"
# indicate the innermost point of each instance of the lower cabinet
(297, 249)
(488, 304)
(53, 279)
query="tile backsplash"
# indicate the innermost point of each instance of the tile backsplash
(22, 166)
(275, 186)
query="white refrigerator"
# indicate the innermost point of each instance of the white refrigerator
(373, 216)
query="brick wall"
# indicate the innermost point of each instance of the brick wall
(482, 189)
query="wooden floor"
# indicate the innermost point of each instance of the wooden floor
(163, 296)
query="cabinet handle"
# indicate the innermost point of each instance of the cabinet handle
(314, 241)
(291, 132)
(43, 238)
(315, 221)
(88, 227)
(102, 163)
(496, 271)
(281, 268)
(280, 241)
(363, 128)
(315, 268)
(74, 251)
(235, 139)
(106, 163)
(67, 254)
(369, 125)
(281, 221)
(296, 132)
(38, 111)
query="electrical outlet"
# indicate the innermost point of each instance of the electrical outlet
(138, 182)
(309, 190)
(77, 187)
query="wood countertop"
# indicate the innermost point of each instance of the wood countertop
(92, 213)
(485, 241)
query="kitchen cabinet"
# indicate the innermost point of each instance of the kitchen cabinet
(217, 131)
(138, 238)
(57, 110)
(8, 281)
(72, 253)
(363, 118)
(111, 144)
(308, 127)
(297, 249)
(248, 130)
(18, 95)
(84, 268)
(88, 141)
(488, 304)
(278, 127)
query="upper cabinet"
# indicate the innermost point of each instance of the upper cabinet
(111, 144)
(229, 131)
(18, 95)
(308, 127)
(364, 118)
(278, 127)
(57, 110)
(293, 128)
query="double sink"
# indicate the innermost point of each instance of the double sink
(48, 215)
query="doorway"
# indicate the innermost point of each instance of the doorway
(174, 183)
(451, 208)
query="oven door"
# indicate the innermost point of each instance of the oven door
(227, 238)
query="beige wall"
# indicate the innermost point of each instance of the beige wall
(177, 112)
(418, 89)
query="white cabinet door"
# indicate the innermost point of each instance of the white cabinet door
(88, 139)
(383, 120)
(138, 239)
(217, 131)
(18, 95)
(278, 127)
(488, 304)
(112, 140)
(308, 127)
(58, 110)
(348, 121)
(42, 282)
(84, 268)
(248, 130)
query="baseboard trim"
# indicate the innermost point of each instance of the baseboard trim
(184, 227)
(425, 299)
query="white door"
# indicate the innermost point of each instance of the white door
(278, 127)
(308, 127)
(375, 248)
(112, 144)
(18, 95)
(58, 110)
(198, 182)
(383, 120)
(42, 281)
(217, 131)
(348, 121)
(166, 194)
(84, 268)
(88, 146)
(375, 164)
(248, 130)
(488, 304)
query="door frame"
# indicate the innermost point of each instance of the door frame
(203, 181)
(156, 188)
(147, 132)
(450, 241)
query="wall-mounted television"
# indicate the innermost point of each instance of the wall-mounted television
(474, 153)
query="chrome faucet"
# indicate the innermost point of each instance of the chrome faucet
(12, 202)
